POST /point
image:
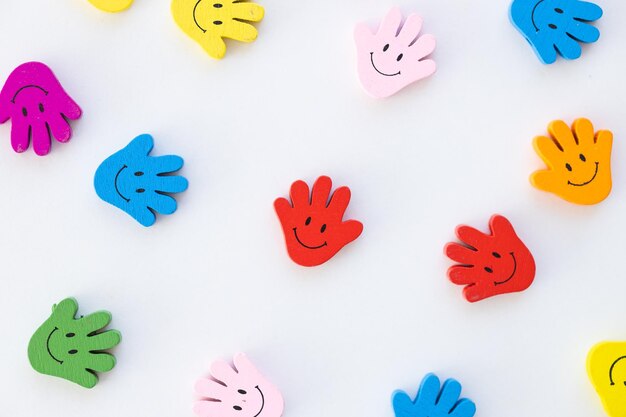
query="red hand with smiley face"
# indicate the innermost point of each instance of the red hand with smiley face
(490, 264)
(313, 223)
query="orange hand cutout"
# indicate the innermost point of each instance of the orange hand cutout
(579, 162)
(313, 226)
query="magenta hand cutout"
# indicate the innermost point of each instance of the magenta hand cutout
(237, 392)
(394, 57)
(38, 107)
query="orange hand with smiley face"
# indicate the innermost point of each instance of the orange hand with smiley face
(313, 223)
(578, 160)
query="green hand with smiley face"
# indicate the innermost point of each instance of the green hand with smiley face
(73, 348)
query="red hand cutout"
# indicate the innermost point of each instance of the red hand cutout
(314, 228)
(490, 264)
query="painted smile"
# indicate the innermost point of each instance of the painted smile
(585, 183)
(532, 15)
(117, 190)
(262, 401)
(48, 346)
(194, 16)
(381, 73)
(295, 233)
(512, 273)
(611, 370)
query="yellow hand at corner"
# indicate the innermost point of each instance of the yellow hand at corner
(112, 6)
(606, 367)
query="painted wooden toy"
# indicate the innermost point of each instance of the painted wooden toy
(73, 348)
(606, 367)
(38, 107)
(112, 6)
(578, 160)
(394, 56)
(208, 22)
(490, 264)
(313, 223)
(237, 391)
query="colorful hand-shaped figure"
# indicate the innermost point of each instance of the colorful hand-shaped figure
(73, 348)
(209, 21)
(490, 264)
(433, 400)
(394, 57)
(112, 6)
(578, 160)
(606, 367)
(238, 392)
(556, 26)
(313, 226)
(138, 183)
(38, 107)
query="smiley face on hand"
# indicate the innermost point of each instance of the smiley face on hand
(490, 264)
(606, 368)
(313, 223)
(578, 160)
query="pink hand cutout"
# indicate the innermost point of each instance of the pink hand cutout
(394, 57)
(38, 107)
(238, 392)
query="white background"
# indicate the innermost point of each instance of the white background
(214, 278)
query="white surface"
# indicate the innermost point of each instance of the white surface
(214, 278)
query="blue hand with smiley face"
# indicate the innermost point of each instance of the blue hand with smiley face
(138, 183)
(556, 26)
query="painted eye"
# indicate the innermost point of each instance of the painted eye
(307, 221)
(41, 109)
(385, 48)
(218, 5)
(138, 174)
(568, 167)
(236, 407)
(72, 352)
(24, 111)
(242, 391)
(217, 22)
(559, 11)
(70, 335)
(399, 57)
(140, 190)
(496, 255)
(582, 157)
(488, 269)
(323, 228)
(552, 26)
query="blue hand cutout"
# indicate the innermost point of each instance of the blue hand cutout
(137, 183)
(430, 402)
(556, 26)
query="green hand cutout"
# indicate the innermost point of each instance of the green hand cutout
(72, 348)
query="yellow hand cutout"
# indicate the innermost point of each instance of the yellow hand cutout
(579, 162)
(112, 6)
(208, 21)
(606, 367)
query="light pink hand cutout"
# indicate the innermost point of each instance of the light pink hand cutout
(239, 392)
(394, 57)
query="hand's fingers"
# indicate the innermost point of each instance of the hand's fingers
(544, 180)
(84, 378)
(461, 275)
(604, 140)
(70, 109)
(59, 128)
(243, 365)
(20, 136)
(473, 293)
(339, 201)
(299, 194)
(500, 225)
(583, 131)
(250, 12)
(42, 142)
(583, 32)
(568, 47)
(460, 253)
(94, 321)
(390, 24)
(214, 46)
(562, 134)
(163, 204)
(282, 207)
(362, 34)
(321, 191)
(208, 388)
(66, 309)
(548, 150)
(402, 404)
(424, 46)
(101, 362)
(141, 145)
(350, 230)
(450, 393)
(240, 31)
(471, 237)
(423, 69)
(428, 391)
(208, 409)
(170, 184)
(545, 50)
(223, 372)
(103, 341)
(165, 164)
(587, 11)
(464, 408)
(143, 215)
(411, 28)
